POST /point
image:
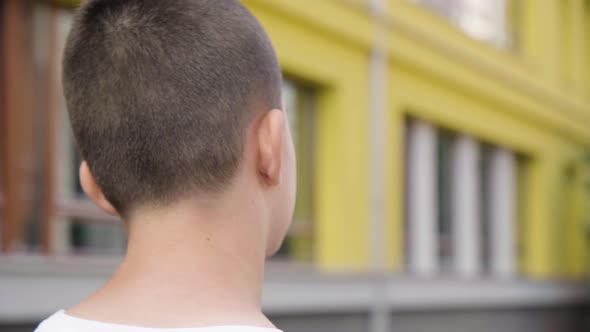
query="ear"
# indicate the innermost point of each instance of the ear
(93, 191)
(270, 146)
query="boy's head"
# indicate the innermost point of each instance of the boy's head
(163, 96)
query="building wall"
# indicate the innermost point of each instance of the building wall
(376, 69)
(433, 72)
(373, 66)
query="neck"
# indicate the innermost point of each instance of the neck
(198, 260)
(218, 251)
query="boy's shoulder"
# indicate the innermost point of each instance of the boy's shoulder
(61, 322)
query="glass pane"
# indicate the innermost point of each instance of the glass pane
(89, 235)
(422, 175)
(97, 238)
(87, 229)
(484, 174)
(35, 161)
(488, 218)
(522, 208)
(80, 227)
(26, 165)
(41, 68)
(299, 104)
(491, 21)
(407, 168)
(445, 245)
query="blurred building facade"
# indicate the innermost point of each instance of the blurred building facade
(443, 158)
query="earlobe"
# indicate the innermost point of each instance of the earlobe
(93, 191)
(270, 145)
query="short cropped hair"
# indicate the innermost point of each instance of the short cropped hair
(160, 93)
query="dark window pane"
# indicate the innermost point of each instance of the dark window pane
(445, 245)
(491, 21)
(300, 104)
(97, 238)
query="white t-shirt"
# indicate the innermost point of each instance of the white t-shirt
(61, 322)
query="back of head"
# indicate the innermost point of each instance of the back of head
(160, 93)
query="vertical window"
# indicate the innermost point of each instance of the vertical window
(23, 129)
(86, 229)
(42, 58)
(80, 227)
(502, 212)
(465, 216)
(299, 104)
(422, 203)
(444, 185)
(484, 212)
(31, 57)
(461, 199)
(490, 21)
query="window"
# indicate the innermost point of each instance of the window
(299, 103)
(460, 204)
(83, 229)
(444, 177)
(486, 20)
(41, 211)
(48, 211)
(79, 227)
(27, 80)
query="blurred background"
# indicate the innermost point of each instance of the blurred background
(443, 158)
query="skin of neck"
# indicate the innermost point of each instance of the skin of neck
(198, 262)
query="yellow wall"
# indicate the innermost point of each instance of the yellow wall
(521, 100)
